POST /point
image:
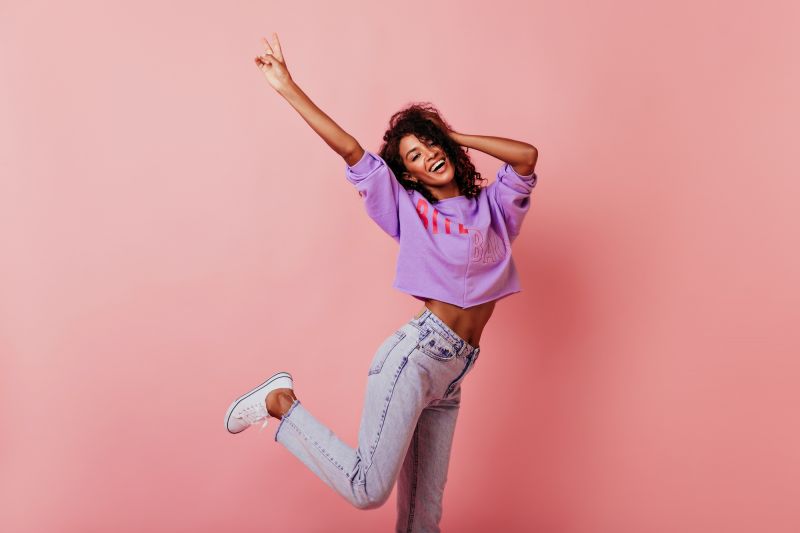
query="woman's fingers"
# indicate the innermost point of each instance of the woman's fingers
(267, 47)
(272, 57)
(278, 50)
(275, 48)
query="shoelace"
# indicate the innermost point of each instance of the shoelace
(252, 414)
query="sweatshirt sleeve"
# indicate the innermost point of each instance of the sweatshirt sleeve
(513, 193)
(379, 190)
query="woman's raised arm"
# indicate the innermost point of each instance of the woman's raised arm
(273, 65)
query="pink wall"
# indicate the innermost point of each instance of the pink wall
(645, 380)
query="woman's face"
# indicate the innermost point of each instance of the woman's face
(422, 164)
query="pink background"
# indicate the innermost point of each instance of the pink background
(172, 232)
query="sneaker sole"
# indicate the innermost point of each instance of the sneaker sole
(272, 379)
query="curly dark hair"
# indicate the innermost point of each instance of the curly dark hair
(417, 119)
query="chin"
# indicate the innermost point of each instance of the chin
(444, 179)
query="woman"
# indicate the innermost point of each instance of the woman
(455, 255)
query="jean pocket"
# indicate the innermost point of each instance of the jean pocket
(384, 350)
(434, 345)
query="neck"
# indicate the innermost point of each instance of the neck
(443, 193)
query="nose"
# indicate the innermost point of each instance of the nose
(432, 152)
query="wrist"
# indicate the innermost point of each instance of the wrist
(288, 88)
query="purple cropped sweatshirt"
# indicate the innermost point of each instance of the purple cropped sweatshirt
(458, 250)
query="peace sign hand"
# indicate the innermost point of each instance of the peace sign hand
(272, 64)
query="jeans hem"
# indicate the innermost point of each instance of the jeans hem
(286, 414)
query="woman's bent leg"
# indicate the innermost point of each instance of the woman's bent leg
(395, 396)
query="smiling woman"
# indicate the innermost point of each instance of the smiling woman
(455, 255)
(417, 138)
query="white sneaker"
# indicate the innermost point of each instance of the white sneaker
(251, 408)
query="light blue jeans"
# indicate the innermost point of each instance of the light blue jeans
(406, 430)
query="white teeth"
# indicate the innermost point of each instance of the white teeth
(436, 167)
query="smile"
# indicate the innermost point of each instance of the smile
(438, 166)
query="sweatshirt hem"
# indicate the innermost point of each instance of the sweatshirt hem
(420, 294)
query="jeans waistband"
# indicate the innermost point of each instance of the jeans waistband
(428, 319)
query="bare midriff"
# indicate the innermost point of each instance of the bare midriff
(467, 323)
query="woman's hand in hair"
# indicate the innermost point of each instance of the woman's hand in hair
(440, 123)
(273, 65)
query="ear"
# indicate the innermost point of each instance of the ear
(409, 177)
